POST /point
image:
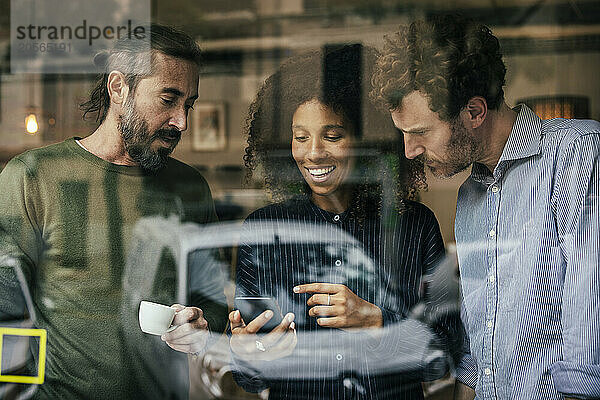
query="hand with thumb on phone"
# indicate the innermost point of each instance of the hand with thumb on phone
(248, 344)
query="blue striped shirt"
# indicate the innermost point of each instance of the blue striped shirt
(529, 248)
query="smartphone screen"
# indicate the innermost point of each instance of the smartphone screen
(251, 307)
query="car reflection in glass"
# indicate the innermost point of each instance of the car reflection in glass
(412, 347)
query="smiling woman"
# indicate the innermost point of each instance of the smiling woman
(338, 80)
(352, 249)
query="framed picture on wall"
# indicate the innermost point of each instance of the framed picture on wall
(208, 126)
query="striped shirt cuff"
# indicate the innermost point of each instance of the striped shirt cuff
(576, 380)
(466, 371)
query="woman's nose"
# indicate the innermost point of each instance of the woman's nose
(317, 150)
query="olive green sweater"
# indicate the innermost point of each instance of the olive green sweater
(67, 217)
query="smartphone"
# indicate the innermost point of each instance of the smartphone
(251, 307)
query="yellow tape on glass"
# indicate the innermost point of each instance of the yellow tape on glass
(39, 379)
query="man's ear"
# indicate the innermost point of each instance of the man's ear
(118, 90)
(475, 111)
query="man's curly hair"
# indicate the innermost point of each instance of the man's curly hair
(338, 78)
(450, 59)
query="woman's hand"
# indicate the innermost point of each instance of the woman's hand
(247, 344)
(336, 306)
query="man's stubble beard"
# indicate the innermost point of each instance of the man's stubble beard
(138, 140)
(462, 150)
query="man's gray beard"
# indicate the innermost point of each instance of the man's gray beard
(138, 140)
(462, 150)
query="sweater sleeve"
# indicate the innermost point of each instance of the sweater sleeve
(20, 237)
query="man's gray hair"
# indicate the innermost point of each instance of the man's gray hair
(134, 58)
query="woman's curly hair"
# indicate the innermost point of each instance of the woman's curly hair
(450, 59)
(337, 78)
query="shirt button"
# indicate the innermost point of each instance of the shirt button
(338, 357)
(492, 233)
(489, 324)
(338, 263)
(336, 218)
(492, 279)
(495, 189)
(348, 384)
(487, 371)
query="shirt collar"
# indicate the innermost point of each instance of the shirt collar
(525, 140)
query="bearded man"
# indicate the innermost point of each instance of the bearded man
(527, 219)
(68, 210)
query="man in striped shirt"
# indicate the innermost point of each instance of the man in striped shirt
(528, 217)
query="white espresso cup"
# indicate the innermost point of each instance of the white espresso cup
(156, 318)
